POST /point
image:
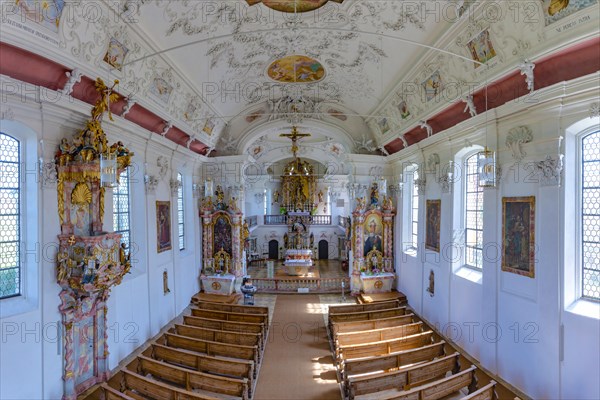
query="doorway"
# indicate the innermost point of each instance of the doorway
(323, 250)
(273, 250)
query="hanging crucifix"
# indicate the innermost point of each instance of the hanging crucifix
(294, 138)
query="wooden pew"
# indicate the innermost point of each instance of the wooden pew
(231, 316)
(488, 392)
(199, 382)
(210, 348)
(242, 338)
(382, 305)
(385, 346)
(391, 361)
(431, 391)
(366, 315)
(353, 326)
(376, 335)
(235, 308)
(133, 384)
(203, 363)
(249, 327)
(405, 377)
(105, 392)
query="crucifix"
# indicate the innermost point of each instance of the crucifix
(294, 137)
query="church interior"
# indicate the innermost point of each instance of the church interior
(299, 199)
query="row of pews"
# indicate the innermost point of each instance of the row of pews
(382, 353)
(213, 354)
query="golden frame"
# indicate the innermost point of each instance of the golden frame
(163, 226)
(518, 235)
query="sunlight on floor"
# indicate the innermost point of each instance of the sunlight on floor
(324, 372)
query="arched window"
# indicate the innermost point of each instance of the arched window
(180, 214)
(10, 215)
(414, 214)
(121, 208)
(589, 191)
(473, 214)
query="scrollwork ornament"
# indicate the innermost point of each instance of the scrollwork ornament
(516, 138)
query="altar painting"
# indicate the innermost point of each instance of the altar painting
(518, 235)
(222, 234)
(373, 233)
(163, 226)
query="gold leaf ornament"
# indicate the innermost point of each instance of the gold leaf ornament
(81, 195)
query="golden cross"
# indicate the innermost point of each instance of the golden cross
(294, 137)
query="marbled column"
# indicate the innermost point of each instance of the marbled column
(358, 252)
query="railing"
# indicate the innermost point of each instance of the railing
(252, 221)
(283, 219)
(314, 285)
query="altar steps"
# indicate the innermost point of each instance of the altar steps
(376, 297)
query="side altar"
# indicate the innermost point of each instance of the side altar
(90, 261)
(373, 244)
(223, 238)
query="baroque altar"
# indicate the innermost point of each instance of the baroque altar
(223, 239)
(373, 244)
(90, 261)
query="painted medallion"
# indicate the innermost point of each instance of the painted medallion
(296, 69)
(292, 6)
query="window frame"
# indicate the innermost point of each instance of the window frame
(408, 190)
(19, 265)
(180, 221)
(128, 230)
(463, 210)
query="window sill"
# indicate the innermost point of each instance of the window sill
(585, 308)
(411, 252)
(17, 305)
(470, 274)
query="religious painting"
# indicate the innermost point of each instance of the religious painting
(403, 109)
(161, 89)
(222, 234)
(296, 69)
(555, 10)
(209, 125)
(384, 125)
(433, 211)
(297, 6)
(481, 48)
(163, 226)
(433, 86)
(44, 12)
(518, 235)
(115, 54)
(373, 233)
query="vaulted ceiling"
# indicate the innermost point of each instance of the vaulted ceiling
(364, 76)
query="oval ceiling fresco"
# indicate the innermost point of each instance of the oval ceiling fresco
(291, 6)
(296, 69)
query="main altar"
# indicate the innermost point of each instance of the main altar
(223, 238)
(373, 244)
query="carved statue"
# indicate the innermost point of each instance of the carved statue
(219, 193)
(374, 194)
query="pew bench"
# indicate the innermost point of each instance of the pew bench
(353, 326)
(203, 363)
(209, 347)
(231, 316)
(241, 338)
(385, 346)
(488, 392)
(405, 378)
(391, 362)
(259, 328)
(382, 305)
(234, 308)
(376, 335)
(197, 382)
(365, 315)
(436, 390)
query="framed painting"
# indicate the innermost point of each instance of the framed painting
(433, 210)
(481, 48)
(115, 54)
(555, 10)
(518, 235)
(373, 233)
(163, 226)
(433, 86)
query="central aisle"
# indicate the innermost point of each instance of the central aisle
(297, 361)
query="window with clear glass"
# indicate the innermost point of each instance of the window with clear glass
(10, 214)
(180, 215)
(473, 213)
(590, 216)
(121, 208)
(414, 211)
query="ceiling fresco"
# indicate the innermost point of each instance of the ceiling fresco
(292, 6)
(296, 69)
